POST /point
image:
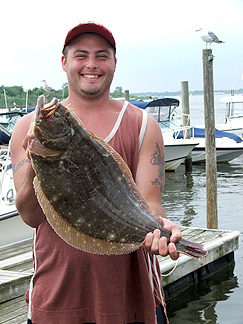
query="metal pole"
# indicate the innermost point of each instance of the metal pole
(5, 97)
(26, 99)
(210, 146)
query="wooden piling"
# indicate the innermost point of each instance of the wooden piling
(186, 119)
(127, 95)
(210, 146)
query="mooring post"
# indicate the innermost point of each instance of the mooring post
(126, 95)
(210, 146)
(186, 120)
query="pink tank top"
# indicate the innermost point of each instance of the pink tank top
(71, 286)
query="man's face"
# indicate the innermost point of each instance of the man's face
(90, 65)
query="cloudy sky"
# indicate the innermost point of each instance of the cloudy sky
(157, 46)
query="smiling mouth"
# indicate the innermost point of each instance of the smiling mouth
(91, 76)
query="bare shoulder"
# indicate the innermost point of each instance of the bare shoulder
(116, 104)
(153, 133)
(23, 124)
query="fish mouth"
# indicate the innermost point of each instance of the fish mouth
(47, 116)
(45, 111)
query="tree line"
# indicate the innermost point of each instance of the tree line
(15, 96)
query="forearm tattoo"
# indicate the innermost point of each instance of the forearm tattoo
(16, 167)
(157, 158)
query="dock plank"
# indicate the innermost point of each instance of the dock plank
(14, 311)
(16, 269)
(12, 250)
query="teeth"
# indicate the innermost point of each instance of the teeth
(90, 76)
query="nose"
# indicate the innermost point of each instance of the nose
(91, 63)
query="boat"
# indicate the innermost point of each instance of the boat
(12, 227)
(228, 145)
(233, 115)
(163, 110)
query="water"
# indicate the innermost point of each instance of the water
(218, 300)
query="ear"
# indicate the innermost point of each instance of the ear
(63, 63)
(115, 64)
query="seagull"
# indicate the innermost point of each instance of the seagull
(208, 37)
(47, 88)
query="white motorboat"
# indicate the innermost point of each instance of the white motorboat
(12, 227)
(233, 115)
(228, 145)
(176, 150)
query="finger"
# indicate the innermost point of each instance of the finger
(148, 241)
(172, 251)
(155, 242)
(175, 234)
(163, 248)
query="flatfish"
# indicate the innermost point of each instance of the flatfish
(85, 188)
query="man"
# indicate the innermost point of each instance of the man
(71, 286)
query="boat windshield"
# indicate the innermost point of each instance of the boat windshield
(8, 120)
(234, 109)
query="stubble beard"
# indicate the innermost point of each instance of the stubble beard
(91, 93)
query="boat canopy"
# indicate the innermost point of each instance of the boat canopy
(200, 132)
(160, 109)
(156, 103)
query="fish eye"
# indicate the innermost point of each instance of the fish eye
(56, 114)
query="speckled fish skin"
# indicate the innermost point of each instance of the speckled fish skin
(84, 183)
(87, 182)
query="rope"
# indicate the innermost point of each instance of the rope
(173, 269)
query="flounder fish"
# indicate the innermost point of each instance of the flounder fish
(85, 188)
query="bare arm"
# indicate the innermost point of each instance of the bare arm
(150, 179)
(25, 201)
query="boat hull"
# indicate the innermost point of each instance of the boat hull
(176, 152)
(12, 227)
(224, 153)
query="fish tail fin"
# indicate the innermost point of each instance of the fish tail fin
(191, 249)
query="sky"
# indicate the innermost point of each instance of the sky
(157, 46)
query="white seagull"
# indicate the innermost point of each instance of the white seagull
(208, 37)
(47, 88)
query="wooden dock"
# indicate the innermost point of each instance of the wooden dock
(16, 269)
(178, 276)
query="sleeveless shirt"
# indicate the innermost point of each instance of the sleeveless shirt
(72, 286)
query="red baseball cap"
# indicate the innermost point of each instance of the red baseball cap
(90, 27)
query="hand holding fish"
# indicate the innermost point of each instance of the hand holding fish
(157, 244)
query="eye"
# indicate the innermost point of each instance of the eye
(103, 56)
(81, 56)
